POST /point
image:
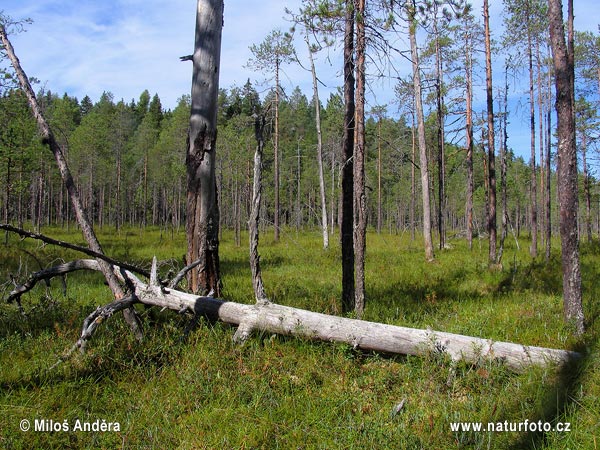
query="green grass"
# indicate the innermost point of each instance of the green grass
(278, 392)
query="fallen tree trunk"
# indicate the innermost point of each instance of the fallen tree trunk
(265, 316)
(268, 317)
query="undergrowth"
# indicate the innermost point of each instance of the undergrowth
(199, 390)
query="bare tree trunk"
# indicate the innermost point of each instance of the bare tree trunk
(379, 211)
(202, 209)
(541, 136)
(441, 156)
(503, 150)
(7, 189)
(319, 148)
(586, 189)
(469, 137)
(277, 212)
(347, 211)
(567, 164)
(268, 317)
(257, 283)
(413, 187)
(491, 144)
(533, 200)
(548, 169)
(84, 223)
(360, 196)
(427, 239)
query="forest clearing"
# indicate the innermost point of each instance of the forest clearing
(203, 391)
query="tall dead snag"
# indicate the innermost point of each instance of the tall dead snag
(86, 226)
(534, 206)
(503, 167)
(469, 132)
(491, 226)
(360, 196)
(257, 283)
(347, 225)
(276, 50)
(567, 165)
(412, 27)
(319, 144)
(202, 227)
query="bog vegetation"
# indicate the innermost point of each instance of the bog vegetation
(200, 390)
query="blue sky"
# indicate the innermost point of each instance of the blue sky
(125, 46)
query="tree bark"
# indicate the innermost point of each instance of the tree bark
(277, 213)
(268, 317)
(379, 193)
(441, 154)
(257, 283)
(469, 135)
(548, 168)
(491, 226)
(319, 148)
(586, 188)
(427, 239)
(413, 187)
(533, 194)
(566, 167)
(503, 168)
(202, 228)
(360, 195)
(347, 222)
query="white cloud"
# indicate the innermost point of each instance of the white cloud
(126, 46)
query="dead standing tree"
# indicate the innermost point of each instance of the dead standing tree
(567, 162)
(202, 227)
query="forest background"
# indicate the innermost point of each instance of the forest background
(126, 154)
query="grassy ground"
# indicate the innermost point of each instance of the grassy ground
(276, 392)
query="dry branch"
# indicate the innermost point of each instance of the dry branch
(91, 323)
(47, 274)
(78, 248)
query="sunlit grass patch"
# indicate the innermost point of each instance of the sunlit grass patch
(202, 391)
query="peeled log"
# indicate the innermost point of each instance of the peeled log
(370, 336)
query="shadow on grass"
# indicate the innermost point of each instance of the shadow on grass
(109, 357)
(539, 276)
(557, 400)
(423, 297)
